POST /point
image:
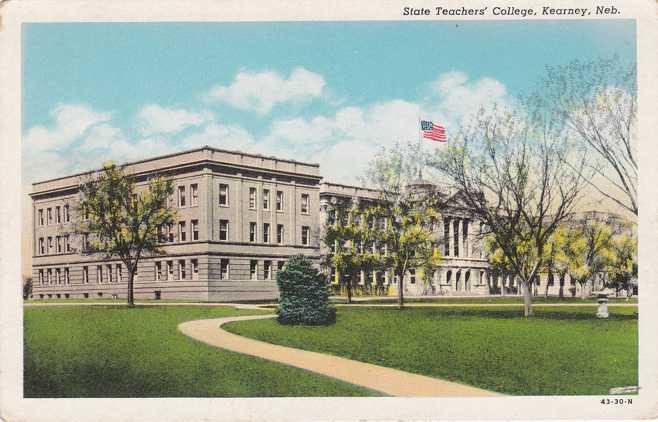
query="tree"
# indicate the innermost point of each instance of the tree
(587, 251)
(121, 221)
(622, 268)
(352, 239)
(510, 171)
(410, 208)
(304, 295)
(27, 287)
(596, 101)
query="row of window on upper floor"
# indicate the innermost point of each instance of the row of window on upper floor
(53, 215)
(180, 200)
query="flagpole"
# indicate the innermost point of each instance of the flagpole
(420, 144)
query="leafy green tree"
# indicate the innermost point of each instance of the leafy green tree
(304, 295)
(586, 251)
(120, 220)
(622, 268)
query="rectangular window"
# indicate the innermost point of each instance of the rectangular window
(182, 232)
(158, 271)
(266, 199)
(266, 232)
(194, 195)
(170, 232)
(181, 197)
(252, 232)
(267, 270)
(223, 229)
(195, 229)
(119, 273)
(305, 203)
(67, 215)
(50, 244)
(42, 247)
(50, 276)
(85, 275)
(455, 226)
(170, 270)
(195, 269)
(58, 243)
(279, 265)
(49, 213)
(99, 274)
(252, 198)
(223, 194)
(223, 269)
(110, 279)
(412, 276)
(40, 276)
(306, 232)
(181, 269)
(279, 200)
(85, 242)
(253, 269)
(280, 238)
(161, 234)
(40, 212)
(67, 245)
(58, 214)
(58, 276)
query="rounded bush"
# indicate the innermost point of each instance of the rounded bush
(303, 295)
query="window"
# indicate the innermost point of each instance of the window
(85, 242)
(266, 232)
(279, 200)
(181, 269)
(551, 280)
(181, 197)
(223, 229)
(40, 276)
(455, 225)
(42, 248)
(158, 271)
(50, 276)
(412, 276)
(110, 279)
(253, 270)
(252, 198)
(40, 212)
(182, 234)
(49, 213)
(194, 195)
(99, 274)
(266, 199)
(85, 275)
(195, 229)
(279, 265)
(58, 243)
(58, 214)
(170, 270)
(67, 245)
(305, 203)
(50, 244)
(170, 232)
(223, 269)
(119, 273)
(280, 238)
(223, 194)
(162, 237)
(252, 232)
(67, 280)
(267, 270)
(306, 231)
(67, 215)
(195, 269)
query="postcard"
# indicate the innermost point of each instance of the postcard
(328, 210)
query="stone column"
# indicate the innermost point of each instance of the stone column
(451, 241)
(238, 198)
(458, 235)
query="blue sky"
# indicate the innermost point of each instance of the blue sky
(330, 92)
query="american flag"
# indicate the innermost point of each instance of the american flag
(432, 131)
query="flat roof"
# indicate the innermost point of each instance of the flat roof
(160, 157)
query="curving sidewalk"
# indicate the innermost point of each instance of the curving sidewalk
(389, 381)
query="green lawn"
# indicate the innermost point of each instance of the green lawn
(114, 351)
(501, 300)
(565, 351)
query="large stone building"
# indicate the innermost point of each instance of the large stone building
(239, 218)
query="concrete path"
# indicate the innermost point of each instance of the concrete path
(389, 381)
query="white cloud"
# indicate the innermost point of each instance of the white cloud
(260, 91)
(70, 122)
(154, 119)
(229, 137)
